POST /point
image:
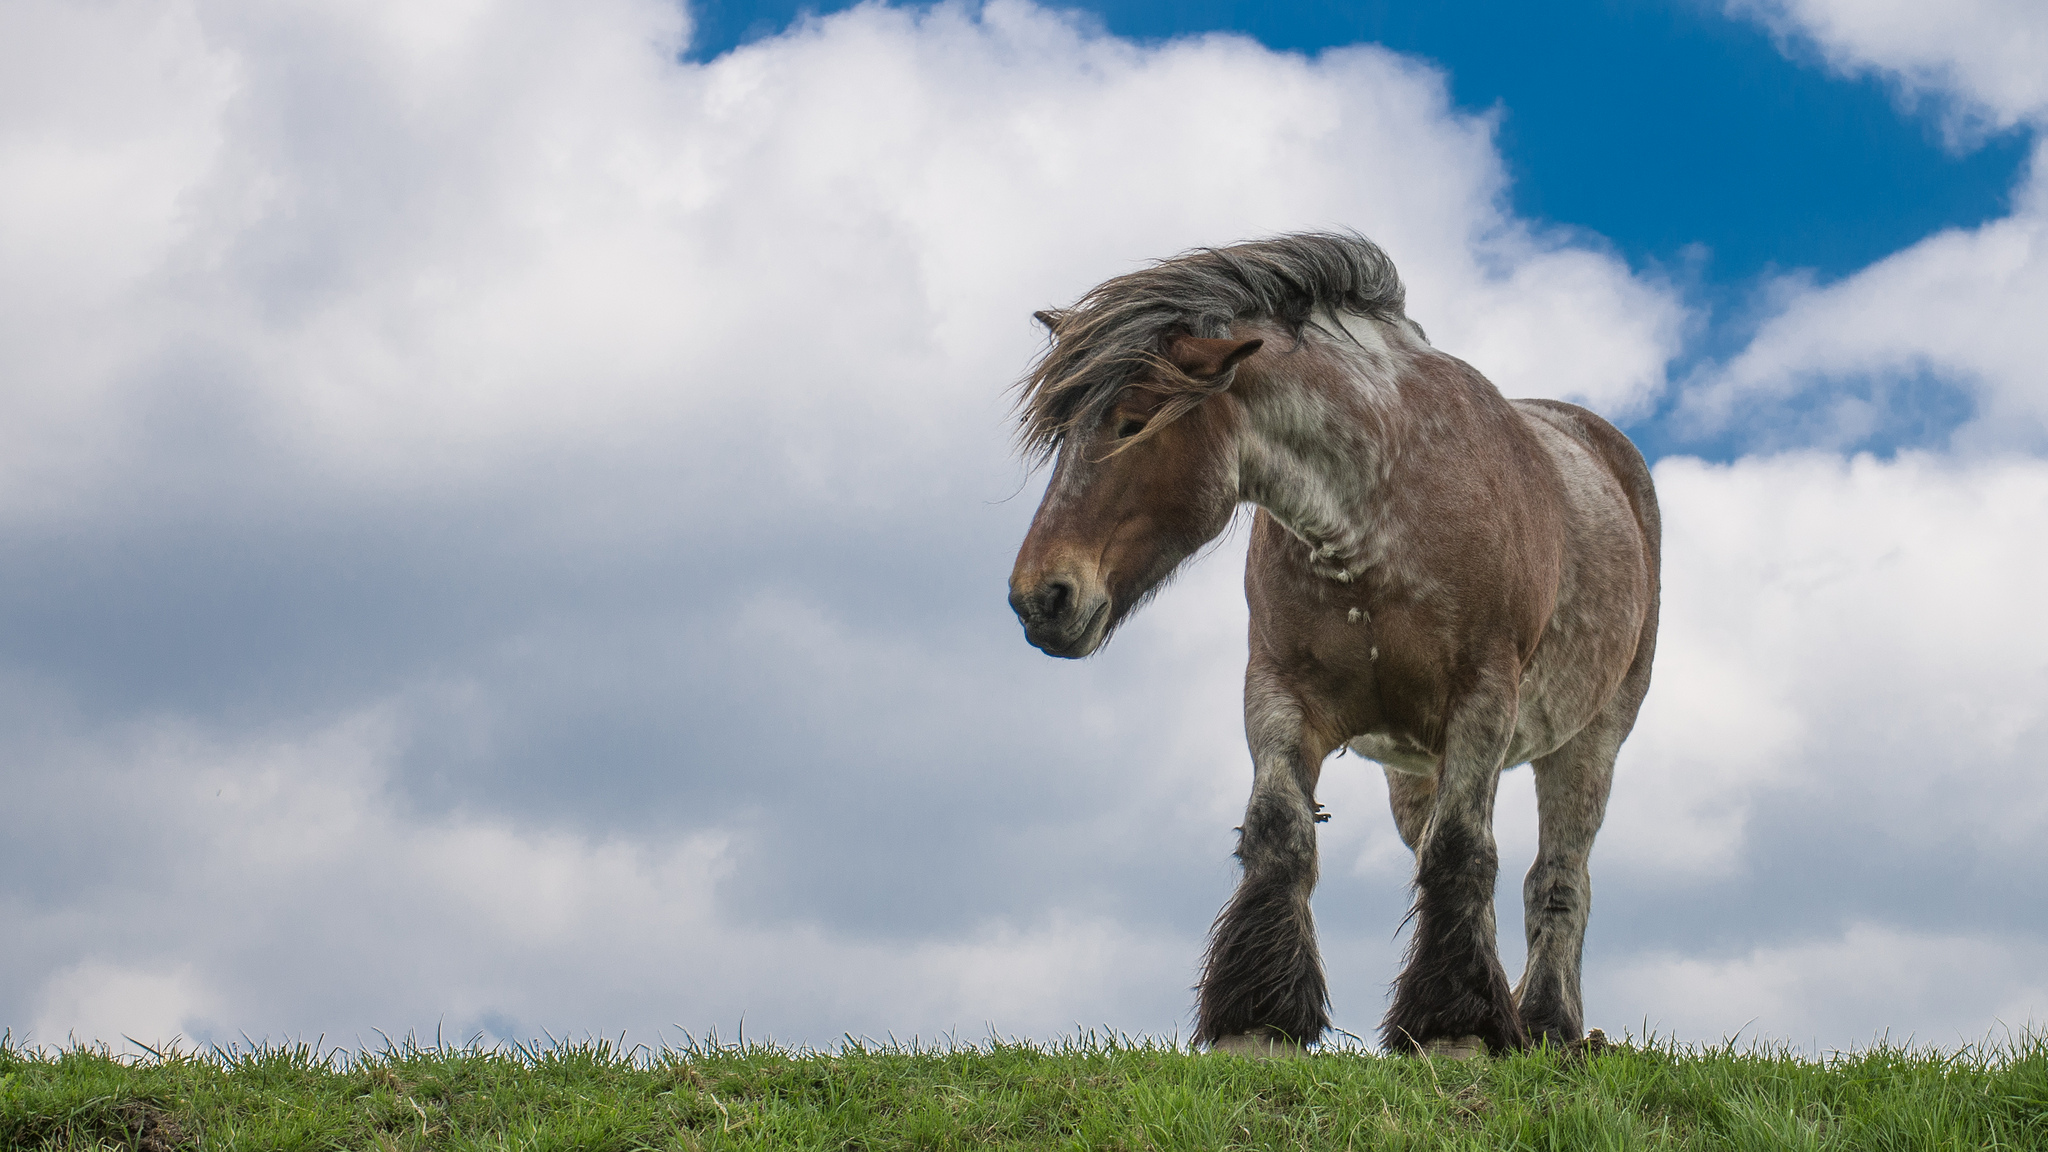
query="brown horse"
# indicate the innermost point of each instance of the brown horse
(1449, 582)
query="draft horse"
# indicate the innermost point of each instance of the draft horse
(1446, 581)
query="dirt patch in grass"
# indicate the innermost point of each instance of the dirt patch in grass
(152, 1129)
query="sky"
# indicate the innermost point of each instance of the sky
(505, 507)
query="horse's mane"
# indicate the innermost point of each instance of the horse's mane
(1119, 325)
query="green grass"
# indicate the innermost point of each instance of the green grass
(1089, 1093)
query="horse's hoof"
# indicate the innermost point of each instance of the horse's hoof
(1258, 1046)
(1594, 1044)
(1455, 1048)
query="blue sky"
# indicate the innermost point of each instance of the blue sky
(505, 508)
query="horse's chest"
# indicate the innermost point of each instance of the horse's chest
(1382, 683)
(1372, 680)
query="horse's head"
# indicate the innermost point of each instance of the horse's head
(1145, 473)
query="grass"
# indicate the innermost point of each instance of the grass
(1086, 1093)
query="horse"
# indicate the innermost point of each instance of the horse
(1447, 582)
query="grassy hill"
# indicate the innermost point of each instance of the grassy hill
(1088, 1093)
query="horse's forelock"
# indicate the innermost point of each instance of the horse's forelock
(1114, 332)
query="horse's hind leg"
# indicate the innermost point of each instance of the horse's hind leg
(1263, 979)
(1571, 799)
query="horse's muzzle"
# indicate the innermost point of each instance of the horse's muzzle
(1060, 618)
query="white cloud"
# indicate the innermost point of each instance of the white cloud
(93, 1001)
(1846, 990)
(347, 243)
(1984, 53)
(1846, 635)
(1840, 756)
(1847, 697)
(733, 336)
(290, 889)
(1844, 362)
(1850, 699)
(1946, 334)
(420, 423)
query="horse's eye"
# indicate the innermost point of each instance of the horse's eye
(1129, 428)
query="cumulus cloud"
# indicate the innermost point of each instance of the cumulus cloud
(284, 881)
(524, 516)
(1832, 789)
(361, 247)
(1840, 753)
(1847, 991)
(1939, 345)
(1982, 56)
(507, 528)
(1833, 796)
(1829, 613)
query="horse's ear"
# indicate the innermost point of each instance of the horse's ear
(1208, 359)
(1050, 317)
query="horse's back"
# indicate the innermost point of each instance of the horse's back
(1601, 639)
(1618, 456)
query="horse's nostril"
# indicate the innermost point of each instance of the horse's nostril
(1053, 602)
(1047, 604)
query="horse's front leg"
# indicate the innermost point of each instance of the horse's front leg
(1262, 984)
(1452, 988)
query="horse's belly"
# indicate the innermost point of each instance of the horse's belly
(1396, 753)
(1534, 736)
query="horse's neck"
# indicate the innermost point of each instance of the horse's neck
(1320, 444)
